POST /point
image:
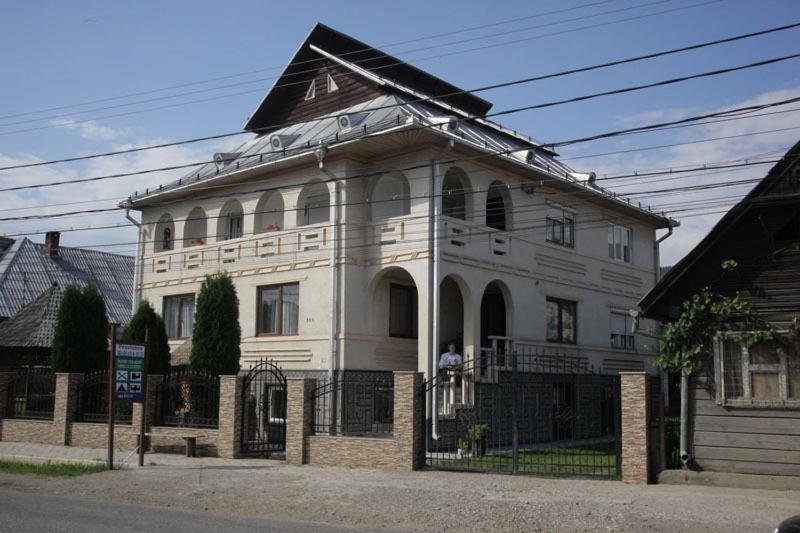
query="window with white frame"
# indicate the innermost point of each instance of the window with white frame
(178, 312)
(620, 243)
(560, 226)
(332, 84)
(622, 326)
(311, 92)
(765, 373)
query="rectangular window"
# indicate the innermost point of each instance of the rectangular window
(278, 309)
(620, 241)
(764, 373)
(402, 311)
(178, 314)
(561, 320)
(560, 226)
(622, 325)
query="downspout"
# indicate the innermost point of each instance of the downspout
(138, 272)
(335, 238)
(657, 251)
(434, 235)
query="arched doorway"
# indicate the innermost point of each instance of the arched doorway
(451, 315)
(494, 313)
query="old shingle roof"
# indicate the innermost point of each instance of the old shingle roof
(26, 271)
(34, 325)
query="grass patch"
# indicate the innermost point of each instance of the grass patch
(590, 460)
(50, 469)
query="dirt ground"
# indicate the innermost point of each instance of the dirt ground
(424, 501)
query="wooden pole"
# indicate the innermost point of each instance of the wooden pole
(111, 355)
(143, 421)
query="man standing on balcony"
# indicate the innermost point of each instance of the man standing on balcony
(450, 358)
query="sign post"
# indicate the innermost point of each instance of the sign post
(129, 380)
(143, 422)
(111, 357)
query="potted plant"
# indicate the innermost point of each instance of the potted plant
(477, 435)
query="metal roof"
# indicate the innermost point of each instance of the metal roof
(380, 116)
(26, 271)
(34, 326)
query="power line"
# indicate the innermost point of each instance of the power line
(310, 61)
(468, 117)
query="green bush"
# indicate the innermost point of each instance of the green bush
(80, 340)
(217, 334)
(146, 318)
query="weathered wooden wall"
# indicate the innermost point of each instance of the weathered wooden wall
(743, 440)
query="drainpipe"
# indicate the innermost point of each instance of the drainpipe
(684, 439)
(657, 251)
(434, 236)
(335, 238)
(138, 272)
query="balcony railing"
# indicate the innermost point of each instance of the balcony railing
(620, 340)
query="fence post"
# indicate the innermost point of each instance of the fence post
(635, 414)
(5, 378)
(66, 404)
(146, 409)
(230, 417)
(298, 418)
(409, 418)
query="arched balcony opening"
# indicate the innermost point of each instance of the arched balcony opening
(390, 196)
(164, 236)
(195, 232)
(269, 212)
(455, 192)
(230, 224)
(313, 204)
(498, 207)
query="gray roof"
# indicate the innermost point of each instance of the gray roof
(34, 325)
(26, 271)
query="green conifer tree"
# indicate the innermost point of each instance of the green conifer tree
(144, 319)
(216, 334)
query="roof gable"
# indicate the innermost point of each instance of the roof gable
(738, 231)
(34, 325)
(307, 64)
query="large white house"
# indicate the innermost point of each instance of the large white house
(371, 217)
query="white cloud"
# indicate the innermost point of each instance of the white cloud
(89, 129)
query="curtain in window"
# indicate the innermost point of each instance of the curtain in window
(171, 317)
(552, 320)
(568, 322)
(268, 322)
(187, 317)
(290, 309)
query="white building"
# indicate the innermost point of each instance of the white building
(372, 218)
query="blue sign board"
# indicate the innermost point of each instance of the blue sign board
(129, 372)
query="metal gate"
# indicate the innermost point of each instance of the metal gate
(264, 409)
(532, 413)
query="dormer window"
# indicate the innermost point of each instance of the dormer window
(332, 84)
(311, 92)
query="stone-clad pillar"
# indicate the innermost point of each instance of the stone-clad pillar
(298, 418)
(635, 422)
(408, 420)
(230, 417)
(66, 404)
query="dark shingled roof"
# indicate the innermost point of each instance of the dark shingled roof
(34, 325)
(26, 270)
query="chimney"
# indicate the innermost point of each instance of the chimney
(51, 243)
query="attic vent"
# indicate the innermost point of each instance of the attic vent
(530, 157)
(332, 84)
(281, 142)
(223, 159)
(311, 92)
(346, 122)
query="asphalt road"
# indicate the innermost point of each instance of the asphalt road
(23, 513)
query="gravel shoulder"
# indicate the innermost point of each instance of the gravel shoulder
(423, 501)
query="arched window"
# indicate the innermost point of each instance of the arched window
(313, 204)
(498, 206)
(269, 212)
(163, 236)
(455, 188)
(231, 221)
(389, 196)
(196, 228)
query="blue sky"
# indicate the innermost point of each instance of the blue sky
(64, 53)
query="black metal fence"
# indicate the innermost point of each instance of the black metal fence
(672, 442)
(32, 394)
(188, 399)
(355, 404)
(93, 401)
(264, 409)
(525, 412)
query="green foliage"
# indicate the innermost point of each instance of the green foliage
(144, 319)
(50, 469)
(691, 335)
(217, 334)
(80, 340)
(478, 431)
